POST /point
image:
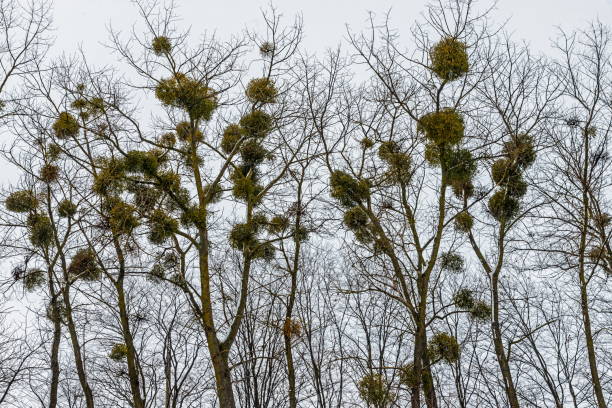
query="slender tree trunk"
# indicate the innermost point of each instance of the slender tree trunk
(498, 342)
(420, 354)
(55, 345)
(584, 300)
(290, 304)
(584, 305)
(76, 349)
(219, 355)
(131, 350)
(288, 346)
(133, 373)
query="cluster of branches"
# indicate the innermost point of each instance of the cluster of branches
(419, 221)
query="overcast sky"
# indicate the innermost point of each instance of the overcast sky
(84, 22)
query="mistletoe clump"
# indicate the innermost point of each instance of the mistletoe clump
(162, 226)
(400, 164)
(66, 209)
(278, 224)
(520, 150)
(243, 236)
(33, 279)
(356, 219)
(56, 311)
(432, 154)
(507, 173)
(366, 143)
(118, 352)
(49, 173)
(443, 127)
(161, 45)
(464, 298)
(374, 390)
(292, 328)
(597, 252)
(503, 206)
(266, 49)
(602, 220)
(84, 266)
(408, 376)
(300, 234)
(449, 59)
(110, 179)
(464, 222)
(452, 262)
(41, 230)
(188, 94)
(257, 124)
(122, 218)
(231, 137)
(459, 166)
(504, 172)
(21, 201)
(347, 190)
(265, 251)
(144, 198)
(168, 139)
(252, 154)
(54, 151)
(137, 161)
(261, 90)
(65, 126)
(186, 133)
(246, 187)
(480, 311)
(443, 346)
(169, 181)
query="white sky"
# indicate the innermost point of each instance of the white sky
(84, 22)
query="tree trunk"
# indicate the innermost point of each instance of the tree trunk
(55, 345)
(133, 373)
(584, 306)
(498, 342)
(76, 349)
(131, 350)
(223, 378)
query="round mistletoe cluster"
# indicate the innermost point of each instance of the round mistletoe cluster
(118, 352)
(161, 45)
(292, 328)
(449, 59)
(452, 262)
(444, 346)
(479, 310)
(38, 225)
(353, 194)
(21, 201)
(398, 162)
(188, 94)
(444, 131)
(33, 279)
(66, 126)
(408, 376)
(119, 175)
(84, 265)
(507, 173)
(245, 237)
(374, 390)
